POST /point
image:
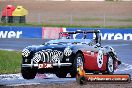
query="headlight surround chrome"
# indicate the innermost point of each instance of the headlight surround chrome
(25, 52)
(37, 57)
(67, 51)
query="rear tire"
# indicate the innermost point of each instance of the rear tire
(28, 73)
(110, 65)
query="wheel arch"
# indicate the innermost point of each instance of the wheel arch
(79, 51)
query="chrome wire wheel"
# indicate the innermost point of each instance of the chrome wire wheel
(79, 62)
(110, 65)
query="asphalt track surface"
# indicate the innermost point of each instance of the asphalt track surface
(123, 49)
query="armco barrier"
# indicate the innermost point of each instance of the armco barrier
(20, 32)
(107, 33)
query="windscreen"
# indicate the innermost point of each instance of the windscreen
(77, 36)
(69, 41)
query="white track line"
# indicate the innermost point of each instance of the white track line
(7, 49)
(24, 84)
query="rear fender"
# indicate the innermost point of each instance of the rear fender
(91, 62)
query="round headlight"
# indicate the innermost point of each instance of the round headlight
(67, 51)
(25, 52)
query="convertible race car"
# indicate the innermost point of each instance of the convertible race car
(64, 55)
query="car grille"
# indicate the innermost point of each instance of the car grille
(50, 56)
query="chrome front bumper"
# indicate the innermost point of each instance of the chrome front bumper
(54, 64)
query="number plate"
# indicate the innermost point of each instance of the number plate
(45, 65)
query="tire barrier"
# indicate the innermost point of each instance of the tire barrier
(10, 14)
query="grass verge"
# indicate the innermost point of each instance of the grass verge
(10, 61)
(62, 25)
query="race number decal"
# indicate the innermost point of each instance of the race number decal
(100, 59)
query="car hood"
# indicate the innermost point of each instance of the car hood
(36, 48)
(57, 45)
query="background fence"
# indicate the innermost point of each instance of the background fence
(76, 13)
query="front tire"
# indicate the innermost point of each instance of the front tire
(61, 74)
(78, 61)
(28, 73)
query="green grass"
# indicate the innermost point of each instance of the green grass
(10, 61)
(62, 25)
